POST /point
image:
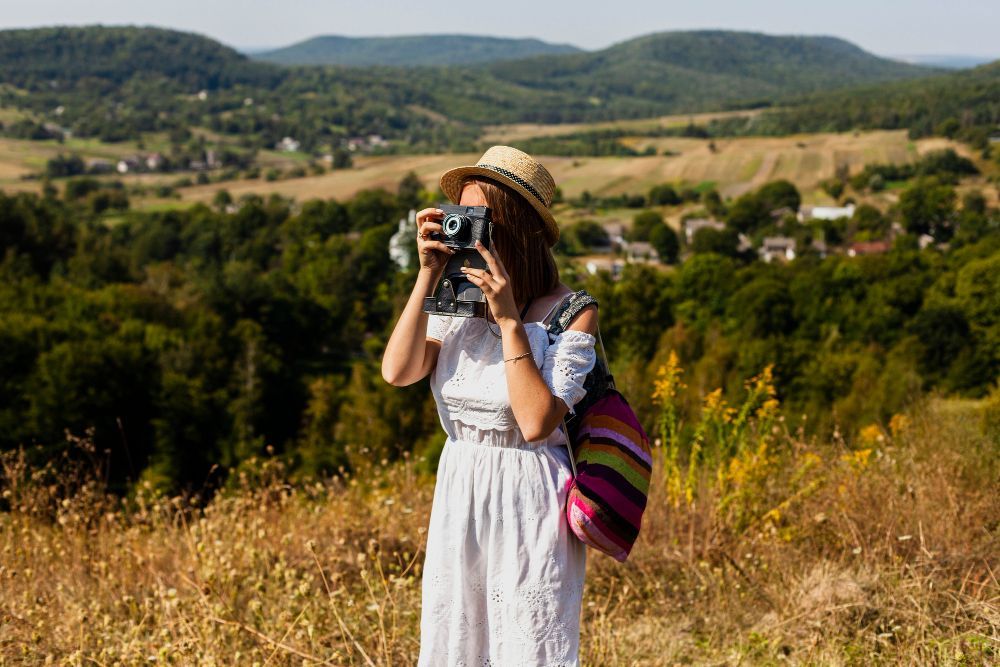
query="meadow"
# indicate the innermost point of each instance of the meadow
(733, 165)
(200, 463)
(759, 546)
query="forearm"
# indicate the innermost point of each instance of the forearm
(404, 353)
(536, 410)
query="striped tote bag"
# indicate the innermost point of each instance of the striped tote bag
(610, 453)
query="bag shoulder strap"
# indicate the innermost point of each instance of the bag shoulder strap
(570, 306)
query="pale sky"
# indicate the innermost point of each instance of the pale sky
(885, 27)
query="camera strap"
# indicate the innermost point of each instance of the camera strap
(524, 311)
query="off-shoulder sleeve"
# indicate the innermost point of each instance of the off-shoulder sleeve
(567, 361)
(437, 326)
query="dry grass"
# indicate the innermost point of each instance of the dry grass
(885, 553)
(521, 131)
(735, 166)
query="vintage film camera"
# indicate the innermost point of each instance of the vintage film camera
(456, 295)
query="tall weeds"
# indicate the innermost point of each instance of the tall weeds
(758, 545)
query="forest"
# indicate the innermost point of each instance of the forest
(121, 83)
(192, 340)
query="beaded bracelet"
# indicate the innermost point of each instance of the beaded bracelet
(517, 357)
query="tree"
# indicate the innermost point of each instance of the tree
(713, 203)
(705, 282)
(590, 234)
(342, 159)
(664, 239)
(942, 331)
(720, 241)
(663, 195)
(372, 207)
(867, 218)
(64, 165)
(762, 308)
(748, 213)
(222, 200)
(926, 207)
(779, 194)
(410, 191)
(643, 223)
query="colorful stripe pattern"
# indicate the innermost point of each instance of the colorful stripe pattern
(613, 467)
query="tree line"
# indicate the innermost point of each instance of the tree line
(192, 340)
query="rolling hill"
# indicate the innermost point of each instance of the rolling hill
(705, 70)
(119, 82)
(963, 105)
(63, 57)
(409, 50)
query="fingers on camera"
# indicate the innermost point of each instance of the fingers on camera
(428, 227)
(429, 214)
(440, 246)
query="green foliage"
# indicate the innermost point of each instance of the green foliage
(965, 99)
(201, 337)
(945, 164)
(663, 194)
(664, 239)
(927, 207)
(643, 224)
(409, 50)
(717, 241)
(117, 83)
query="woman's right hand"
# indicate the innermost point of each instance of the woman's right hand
(433, 254)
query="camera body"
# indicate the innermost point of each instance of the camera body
(456, 295)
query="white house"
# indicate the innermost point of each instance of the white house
(777, 247)
(825, 212)
(288, 145)
(692, 225)
(128, 164)
(154, 161)
(640, 251)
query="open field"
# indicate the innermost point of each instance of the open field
(734, 166)
(329, 572)
(520, 131)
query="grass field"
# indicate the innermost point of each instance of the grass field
(778, 559)
(734, 165)
(521, 131)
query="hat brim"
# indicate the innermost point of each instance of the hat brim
(451, 186)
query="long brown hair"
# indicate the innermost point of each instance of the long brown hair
(519, 240)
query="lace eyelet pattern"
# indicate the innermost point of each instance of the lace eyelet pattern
(503, 573)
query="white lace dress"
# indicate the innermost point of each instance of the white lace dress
(503, 575)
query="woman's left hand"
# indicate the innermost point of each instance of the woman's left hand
(495, 284)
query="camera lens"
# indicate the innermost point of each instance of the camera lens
(453, 224)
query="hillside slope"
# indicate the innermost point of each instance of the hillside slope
(963, 104)
(64, 57)
(409, 50)
(703, 70)
(118, 82)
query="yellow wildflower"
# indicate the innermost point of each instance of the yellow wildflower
(898, 424)
(871, 435)
(857, 459)
(668, 384)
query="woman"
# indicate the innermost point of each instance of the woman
(503, 575)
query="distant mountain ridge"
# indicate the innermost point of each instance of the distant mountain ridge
(409, 50)
(959, 104)
(118, 82)
(694, 70)
(65, 56)
(956, 61)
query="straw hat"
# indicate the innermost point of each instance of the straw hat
(514, 168)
